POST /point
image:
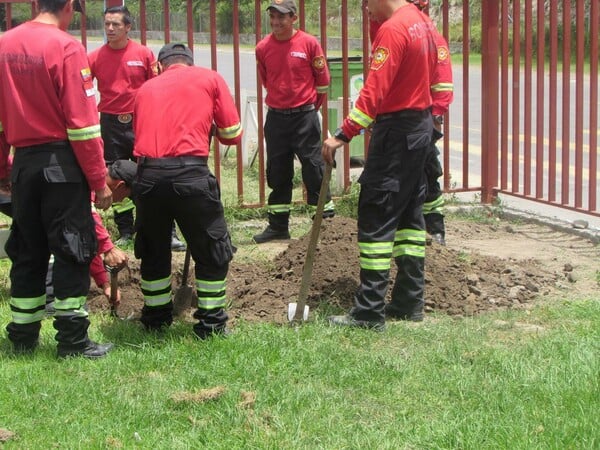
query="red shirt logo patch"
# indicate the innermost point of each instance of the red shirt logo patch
(380, 56)
(319, 63)
(443, 54)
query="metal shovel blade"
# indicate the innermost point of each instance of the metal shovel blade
(184, 296)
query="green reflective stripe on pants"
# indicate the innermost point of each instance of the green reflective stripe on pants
(375, 264)
(212, 302)
(434, 207)
(81, 312)
(210, 286)
(70, 303)
(157, 300)
(409, 250)
(156, 285)
(28, 303)
(279, 209)
(375, 255)
(25, 318)
(125, 205)
(417, 236)
(375, 248)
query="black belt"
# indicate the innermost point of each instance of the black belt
(404, 114)
(47, 145)
(176, 161)
(303, 108)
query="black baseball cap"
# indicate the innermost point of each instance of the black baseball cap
(123, 169)
(175, 49)
(283, 6)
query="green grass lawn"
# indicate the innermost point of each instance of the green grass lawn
(514, 380)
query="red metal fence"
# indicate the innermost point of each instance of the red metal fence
(525, 119)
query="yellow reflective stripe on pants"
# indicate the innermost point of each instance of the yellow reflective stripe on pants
(210, 286)
(70, 303)
(125, 205)
(375, 255)
(81, 312)
(410, 235)
(278, 209)
(409, 250)
(212, 302)
(25, 318)
(157, 300)
(28, 303)
(434, 207)
(156, 285)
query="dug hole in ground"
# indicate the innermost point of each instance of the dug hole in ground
(486, 266)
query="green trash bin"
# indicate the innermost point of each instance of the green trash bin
(336, 91)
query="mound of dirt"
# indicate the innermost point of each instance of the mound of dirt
(464, 278)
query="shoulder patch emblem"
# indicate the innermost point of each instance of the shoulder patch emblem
(88, 82)
(380, 56)
(443, 54)
(319, 62)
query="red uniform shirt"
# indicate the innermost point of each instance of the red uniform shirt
(442, 87)
(47, 95)
(401, 69)
(292, 71)
(120, 73)
(194, 98)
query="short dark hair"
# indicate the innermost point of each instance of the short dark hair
(120, 10)
(51, 6)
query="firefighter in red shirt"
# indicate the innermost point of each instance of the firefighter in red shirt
(48, 113)
(396, 102)
(173, 118)
(292, 68)
(442, 93)
(120, 67)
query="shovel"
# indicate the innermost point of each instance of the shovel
(114, 287)
(184, 297)
(299, 311)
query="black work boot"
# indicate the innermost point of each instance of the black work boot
(92, 350)
(416, 315)
(271, 234)
(349, 321)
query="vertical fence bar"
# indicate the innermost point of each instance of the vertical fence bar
(301, 15)
(189, 13)
(566, 100)
(366, 48)
(446, 152)
(236, 75)
(527, 99)
(213, 65)
(579, 52)
(593, 165)
(143, 22)
(323, 33)
(516, 94)
(552, 101)
(345, 87)
(489, 100)
(8, 15)
(465, 87)
(83, 25)
(504, 97)
(259, 109)
(539, 97)
(167, 19)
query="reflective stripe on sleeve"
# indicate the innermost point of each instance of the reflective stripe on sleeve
(84, 134)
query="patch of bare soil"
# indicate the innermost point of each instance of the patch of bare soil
(484, 267)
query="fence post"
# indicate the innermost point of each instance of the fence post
(490, 66)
